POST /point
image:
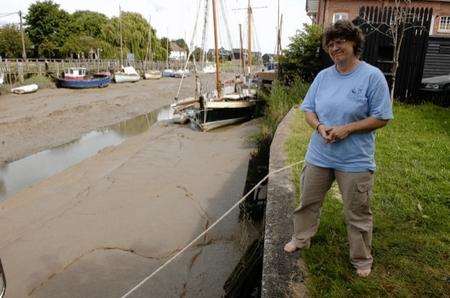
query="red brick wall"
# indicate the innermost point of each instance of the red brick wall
(328, 7)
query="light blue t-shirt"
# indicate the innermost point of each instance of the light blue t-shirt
(339, 99)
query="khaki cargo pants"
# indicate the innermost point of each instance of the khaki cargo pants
(356, 189)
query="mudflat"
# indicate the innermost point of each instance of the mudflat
(99, 227)
(50, 117)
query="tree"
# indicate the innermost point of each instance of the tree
(301, 58)
(48, 27)
(89, 23)
(11, 42)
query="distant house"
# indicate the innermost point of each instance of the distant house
(437, 59)
(177, 53)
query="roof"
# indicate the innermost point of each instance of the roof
(176, 48)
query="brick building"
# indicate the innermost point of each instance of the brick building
(437, 56)
(325, 12)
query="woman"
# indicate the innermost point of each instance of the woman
(345, 104)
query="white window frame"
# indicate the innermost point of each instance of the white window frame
(446, 21)
(339, 16)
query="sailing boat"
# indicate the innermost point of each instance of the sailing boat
(150, 74)
(219, 108)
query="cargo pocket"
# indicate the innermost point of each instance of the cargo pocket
(361, 198)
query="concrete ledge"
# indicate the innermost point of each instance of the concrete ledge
(283, 274)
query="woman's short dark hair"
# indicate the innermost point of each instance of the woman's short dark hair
(346, 30)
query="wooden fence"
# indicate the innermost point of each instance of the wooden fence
(378, 49)
(17, 69)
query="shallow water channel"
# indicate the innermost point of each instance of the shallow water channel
(24, 172)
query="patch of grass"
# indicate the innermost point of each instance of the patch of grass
(278, 103)
(411, 207)
(40, 80)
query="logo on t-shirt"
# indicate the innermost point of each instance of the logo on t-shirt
(357, 93)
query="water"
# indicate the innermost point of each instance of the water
(22, 173)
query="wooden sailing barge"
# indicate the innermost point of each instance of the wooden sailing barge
(220, 108)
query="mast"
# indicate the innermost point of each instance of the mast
(242, 50)
(120, 26)
(167, 49)
(150, 40)
(216, 47)
(249, 21)
(24, 53)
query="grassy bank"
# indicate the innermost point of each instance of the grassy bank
(411, 206)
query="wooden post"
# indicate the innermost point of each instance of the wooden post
(24, 53)
(120, 26)
(242, 50)
(216, 47)
(249, 12)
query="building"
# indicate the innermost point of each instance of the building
(326, 12)
(437, 57)
(177, 53)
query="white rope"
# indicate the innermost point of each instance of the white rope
(208, 229)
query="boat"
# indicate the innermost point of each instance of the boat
(25, 89)
(231, 102)
(181, 73)
(127, 74)
(152, 75)
(209, 69)
(168, 73)
(77, 78)
(2, 78)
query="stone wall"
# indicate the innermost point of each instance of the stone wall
(283, 274)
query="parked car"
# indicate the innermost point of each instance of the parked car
(439, 84)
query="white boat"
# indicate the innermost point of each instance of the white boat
(2, 78)
(25, 89)
(180, 73)
(127, 74)
(152, 75)
(168, 73)
(209, 69)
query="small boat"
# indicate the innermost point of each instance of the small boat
(25, 89)
(2, 78)
(77, 78)
(209, 69)
(181, 73)
(168, 73)
(127, 74)
(152, 75)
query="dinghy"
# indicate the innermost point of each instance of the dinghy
(152, 75)
(25, 89)
(127, 74)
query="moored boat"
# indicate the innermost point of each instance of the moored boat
(25, 89)
(127, 75)
(152, 75)
(77, 78)
(168, 73)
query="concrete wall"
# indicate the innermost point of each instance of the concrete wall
(283, 274)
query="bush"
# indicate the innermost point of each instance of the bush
(302, 59)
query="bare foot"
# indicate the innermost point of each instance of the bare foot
(363, 272)
(290, 247)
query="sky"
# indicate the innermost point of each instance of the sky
(176, 18)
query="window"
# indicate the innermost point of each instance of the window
(444, 24)
(337, 16)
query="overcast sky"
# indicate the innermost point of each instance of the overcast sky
(176, 18)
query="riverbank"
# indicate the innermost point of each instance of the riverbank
(33, 122)
(101, 226)
(410, 207)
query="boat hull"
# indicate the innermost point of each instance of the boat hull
(25, 89)
(124, 78)
(222, 116)
(96, 82)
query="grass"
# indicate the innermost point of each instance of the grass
(411, 207)
(41, 80)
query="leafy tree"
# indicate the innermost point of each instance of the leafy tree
(89, 23)
(11, 42)
(165, 42)
(182, 44)
(301, 58)
(48, 27)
